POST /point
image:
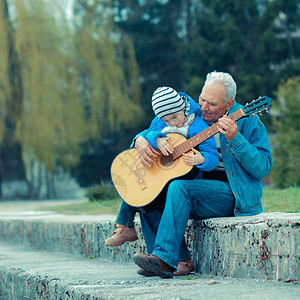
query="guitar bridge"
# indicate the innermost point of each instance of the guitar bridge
(138, 176)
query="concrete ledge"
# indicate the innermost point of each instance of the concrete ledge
(79, 235)
(17, 284)
(263, 246)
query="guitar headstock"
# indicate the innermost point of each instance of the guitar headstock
(257, 106)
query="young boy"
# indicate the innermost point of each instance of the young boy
(175, 112)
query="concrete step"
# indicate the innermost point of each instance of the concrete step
(41, 274)
(78, 235)
(265, 246)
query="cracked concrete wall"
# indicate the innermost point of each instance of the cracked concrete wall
(75, 235)
(263, 246)
(17, 284)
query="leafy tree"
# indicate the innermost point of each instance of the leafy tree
(52, 120)
(223, 36)
(62, 87)
(108, 70)
(256, 41)
(113, 57)
(52, 125)
(154, 26)
(109, 87)
(286, 142)
(279, 44)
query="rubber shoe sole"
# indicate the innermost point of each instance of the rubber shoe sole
(151, 267)
(145, 273)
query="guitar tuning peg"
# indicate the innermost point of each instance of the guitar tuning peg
(260, 113)
(267, 111)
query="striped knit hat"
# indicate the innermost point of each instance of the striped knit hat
(166, 101)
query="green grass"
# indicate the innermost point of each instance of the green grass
(97, 207)
(286, 200)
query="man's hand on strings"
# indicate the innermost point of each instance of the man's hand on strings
(227, 127)
(145, 152)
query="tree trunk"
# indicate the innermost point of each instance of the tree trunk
(12, 167)
(51, 192)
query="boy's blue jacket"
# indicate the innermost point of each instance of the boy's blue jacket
(207, 148)
(247, 159)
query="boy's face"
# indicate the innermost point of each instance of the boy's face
(176, 119)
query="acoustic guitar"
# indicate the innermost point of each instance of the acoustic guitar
(140, 186)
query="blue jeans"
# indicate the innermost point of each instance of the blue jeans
(150, 223)
(198, 199)
(126, 215)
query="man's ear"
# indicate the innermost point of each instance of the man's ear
(229, 103)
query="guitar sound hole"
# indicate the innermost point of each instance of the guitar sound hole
(166, 160)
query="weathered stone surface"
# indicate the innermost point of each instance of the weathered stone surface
(33, 274)
(79, 235)
(263, 246)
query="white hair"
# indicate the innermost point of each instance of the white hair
(226, 80)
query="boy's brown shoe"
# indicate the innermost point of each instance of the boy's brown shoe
(121, 235)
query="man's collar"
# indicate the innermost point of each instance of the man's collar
(209, 123)
(233, 108)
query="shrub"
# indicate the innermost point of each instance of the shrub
(101, 192)
(286, 141)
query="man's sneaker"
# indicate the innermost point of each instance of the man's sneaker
(184, 268)
(121, 235)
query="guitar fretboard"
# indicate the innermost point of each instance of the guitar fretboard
(202, 136)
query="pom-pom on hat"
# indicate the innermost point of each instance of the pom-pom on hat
(166, 101)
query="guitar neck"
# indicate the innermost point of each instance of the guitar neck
(202, 136)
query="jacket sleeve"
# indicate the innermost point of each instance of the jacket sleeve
(209, 151)
(152, 137)
(211, 159)
(207, 148)
(251, 147)
(156, 125)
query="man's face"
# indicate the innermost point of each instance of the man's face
(212, 103)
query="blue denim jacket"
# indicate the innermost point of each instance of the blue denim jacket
(247, 159)
(207, 148)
